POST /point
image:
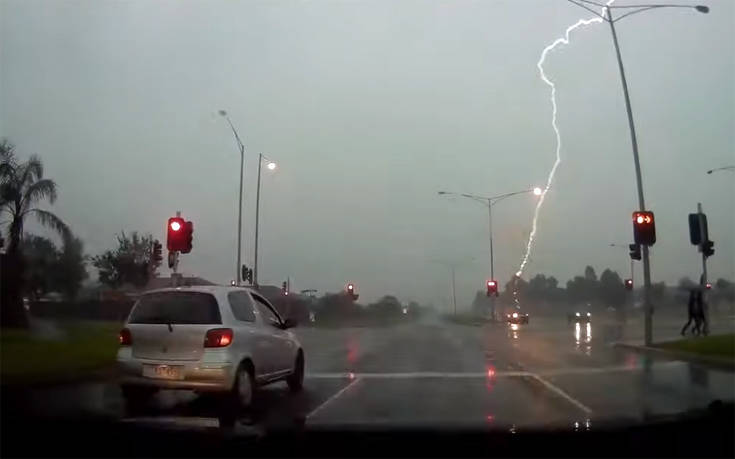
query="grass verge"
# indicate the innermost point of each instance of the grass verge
(86, 347)
(721, 346)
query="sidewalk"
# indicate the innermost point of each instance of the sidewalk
(638, 346)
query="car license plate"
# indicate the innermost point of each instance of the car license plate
(162, 371)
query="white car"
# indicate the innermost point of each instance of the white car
(218, 339)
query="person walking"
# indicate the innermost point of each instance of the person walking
(701, 314)
(692, 314)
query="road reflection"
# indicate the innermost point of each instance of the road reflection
(513, 330)
(583, 337)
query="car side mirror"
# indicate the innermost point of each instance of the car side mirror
(289, 323)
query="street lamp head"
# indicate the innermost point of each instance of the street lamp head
(710, 171)
(441, 192)
(222, 113)
(271, 165)
(702, 9)
(537, 191)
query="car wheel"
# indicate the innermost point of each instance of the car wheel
(244, 388)
(295, 380)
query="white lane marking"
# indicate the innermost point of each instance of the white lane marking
(469, 375)
(409, 375)
(562, 394)
(352, 383)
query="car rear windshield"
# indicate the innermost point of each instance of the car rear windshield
(176, 308)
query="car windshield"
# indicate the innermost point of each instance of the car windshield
(176, 308)
(243, 217)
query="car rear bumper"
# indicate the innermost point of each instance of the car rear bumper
(205, 377)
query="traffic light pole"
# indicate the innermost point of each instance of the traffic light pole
(648, 307)
(703, 285)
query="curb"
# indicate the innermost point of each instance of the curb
(678, 355)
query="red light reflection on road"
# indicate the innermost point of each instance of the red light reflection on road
(353, 349)
(491, 377)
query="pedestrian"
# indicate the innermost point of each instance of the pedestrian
(691, 312)
(701, 316)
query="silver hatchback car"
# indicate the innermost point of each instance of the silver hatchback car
(225, 340)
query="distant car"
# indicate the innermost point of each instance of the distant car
(579, 317)
(218, 339)
(517, 317)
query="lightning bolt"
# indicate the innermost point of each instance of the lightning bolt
(540, 64)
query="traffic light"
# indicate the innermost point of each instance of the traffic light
(175, 233)
(247, 274)
(157, 255)
(351, 291)
(629, 284)
(188, 237)
(708, 248)
(635, 251)
(697, 223)
(708, 286)
(644, 228)
(284, 288)
(179, 235)
(492, 287)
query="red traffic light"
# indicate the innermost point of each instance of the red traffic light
(174, 235)
(492, 287)
(179, 235)
(644, 228)
(708, 286)
(351, 291)
(629, 284)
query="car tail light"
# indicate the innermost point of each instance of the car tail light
(218, 337)
(125, 338)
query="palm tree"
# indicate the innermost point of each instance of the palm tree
(22, 187)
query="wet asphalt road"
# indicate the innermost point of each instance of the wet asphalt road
(547, 374)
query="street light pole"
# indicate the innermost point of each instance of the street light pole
(608, 17)
(238, 272)
(257, 221)
(489, 202)
(271, 166)
(490, 225)
(648, 307)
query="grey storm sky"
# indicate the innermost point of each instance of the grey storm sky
(370, 108)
